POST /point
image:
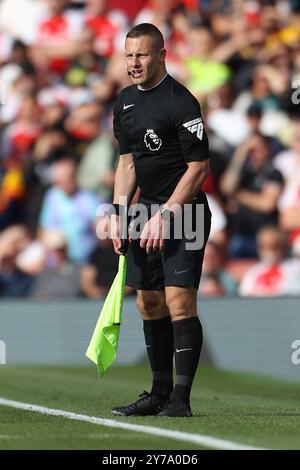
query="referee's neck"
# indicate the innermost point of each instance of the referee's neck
(157, 82)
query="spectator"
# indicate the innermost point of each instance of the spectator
(157, 12)
(207, 72)
(97, 165)
(18, 84)
(86, 67)
(19, 137)
(70, 210)
(178, 44)
(50, 147)
(53, 39)
(129, 9)
(61, 278)
(53, 117)
(254, 119)
(267, 84)
(229, 125)
(253, 187)
(84, 121)
(98, 275)
(13, 281)
(215, 280)
(106, 31)
(12, 190)
(274, 274)
(31, 260)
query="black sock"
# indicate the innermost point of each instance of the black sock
(159, 339)
(187, 344)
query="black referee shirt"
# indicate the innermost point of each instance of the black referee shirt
(163, 129)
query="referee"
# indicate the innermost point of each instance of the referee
(163, 151)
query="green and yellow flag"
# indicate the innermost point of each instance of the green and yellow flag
(103, 346)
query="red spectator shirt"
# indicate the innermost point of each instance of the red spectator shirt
(105, 32)
(264, 280)
(56, 31)
(19, 139)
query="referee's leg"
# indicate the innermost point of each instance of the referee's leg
(182, 305)
(159, 340)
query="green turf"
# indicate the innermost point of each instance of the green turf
(243, 408)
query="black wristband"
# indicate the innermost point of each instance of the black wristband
(117, 209)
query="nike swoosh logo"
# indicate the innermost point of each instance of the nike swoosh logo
(125, 106)
(186, 349)
(181, 272)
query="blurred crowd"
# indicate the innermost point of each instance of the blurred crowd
(61, 68)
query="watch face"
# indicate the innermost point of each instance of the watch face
(166, 214)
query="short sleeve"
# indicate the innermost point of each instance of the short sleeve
(120, 135)
(275, 177)
(190, 129)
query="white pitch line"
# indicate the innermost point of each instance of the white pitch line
(207, 441)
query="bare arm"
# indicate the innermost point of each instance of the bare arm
(66, 50)
(190, 183)
(124, 190)
(265, 201)
(228, 48)
(290, 218)
(232, 176)
(125, 180)
(152, 237)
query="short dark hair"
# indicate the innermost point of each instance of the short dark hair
(147, 29)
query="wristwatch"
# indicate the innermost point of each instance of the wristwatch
(166, 214)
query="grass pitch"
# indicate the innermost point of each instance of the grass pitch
(242, 408)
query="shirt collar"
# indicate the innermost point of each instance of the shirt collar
(151, 88)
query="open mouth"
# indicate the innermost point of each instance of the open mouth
(137, 73)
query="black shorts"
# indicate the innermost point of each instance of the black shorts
(175, 265)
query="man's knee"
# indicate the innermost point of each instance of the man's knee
(152, 306)
(181, 302)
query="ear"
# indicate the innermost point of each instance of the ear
(163, 54)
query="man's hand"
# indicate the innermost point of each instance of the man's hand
(115, 233)
(153, 234)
